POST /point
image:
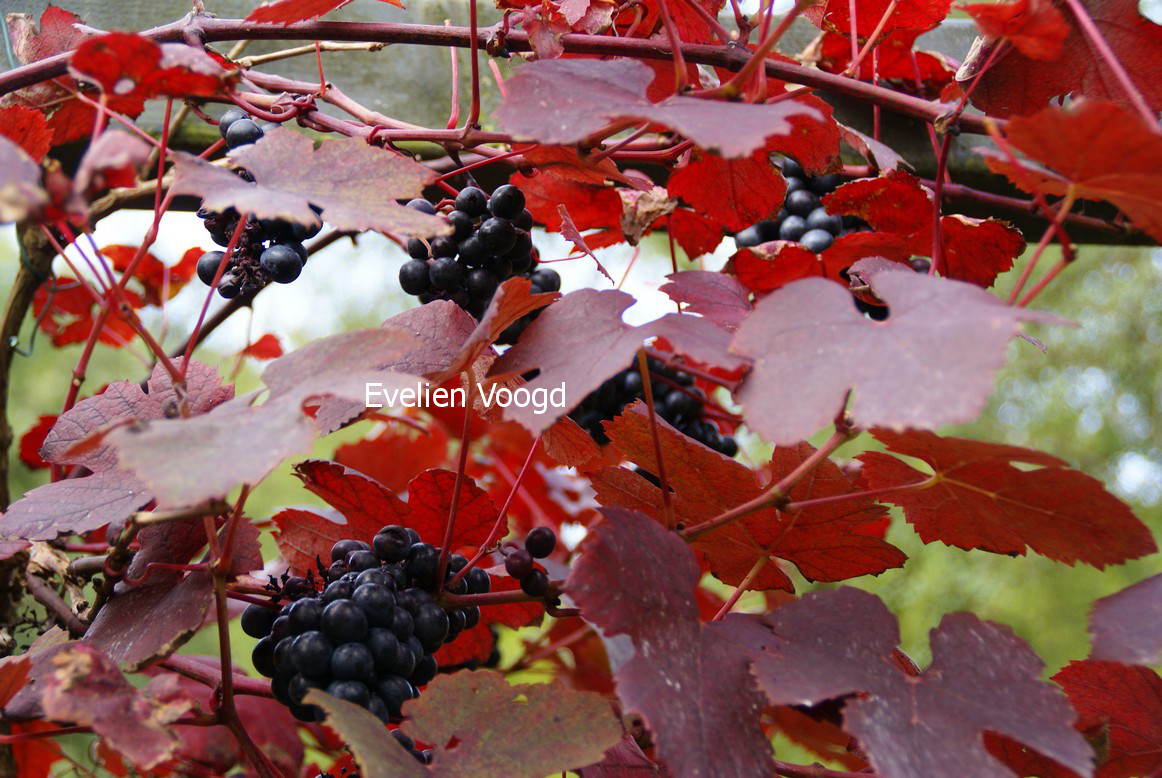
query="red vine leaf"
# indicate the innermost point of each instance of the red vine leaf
(511, 729)
(13, 674)
(733, 192)
(1019, 84)
(26, 128)
(978, 250)
(158, 282)
(32, 441)
(980, 500)
(715, 296)
(881, 155)
(430, 504)
(946, 336)
(86, 687)
(581, 340)
(479, 724)
(689, 681)
(1121, 705)
(895, 202)
(356, 185)
(826, 543)
(589, 95)
(266, 347)
(625, 760)
(287, 12)
(832, 644)
(364, 502)
(128, 65)
(302, 535)
(835, 15)
(1122, 163)
(1036, 28)
(696, 234)
(110, 494)
(1127, 626)
(396, 454)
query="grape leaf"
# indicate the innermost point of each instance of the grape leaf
(378, 754)
(356, 185)
(835, 15)
(86, 687)
(302, 534)
(164, 608)
(881, 155)
(689, 681)
(831, 644)
(978, 250)
(1127, 626)
(581, 340)
(20, 191)
(625, 760)
(980, 500)
(500, 728)
(716, 296)
(734, 192)
(1036, 28)
(588, 95)
(111, 493)
(125, 64)
(1019, 84)
(180, 458)
(396, 454)
(26, 128)
(363, 501)
(1122, 162)
(895, 202)
(266, 347)
(947, 336)
(482, 725)
(1124, 703)
(13, 674)
(826, 543)
(430, 504)
(288, 12)
(696, 234)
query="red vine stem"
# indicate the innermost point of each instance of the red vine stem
(461, 466)
(1066, 204)
(743, 585)
(777, 495)
(937, 201)
(667, 503)
(728, 57)
(501, 525)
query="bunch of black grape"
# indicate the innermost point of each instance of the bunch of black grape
(490, 243)
(267, 249)
(369, 636)
(802, 218)
(520, 562)
(676, 400)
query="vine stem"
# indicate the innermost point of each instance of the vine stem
(937, 201)
(1099, 42)
(729, 57)
(1066, 204)
(212, 677)
(500, 524)
(680, 74)
(667, 502)
(777, 495)
(461, 467)
(739, 590)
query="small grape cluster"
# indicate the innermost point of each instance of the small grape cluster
(369, 636)
(520, 563)
(676, 400)
(490, 243)
(267, 249)
(803, 219)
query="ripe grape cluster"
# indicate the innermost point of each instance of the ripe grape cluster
(802, 219)
(490, 243)
(267, 249)
(676, 399)
(520, 563)
(369, 636)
